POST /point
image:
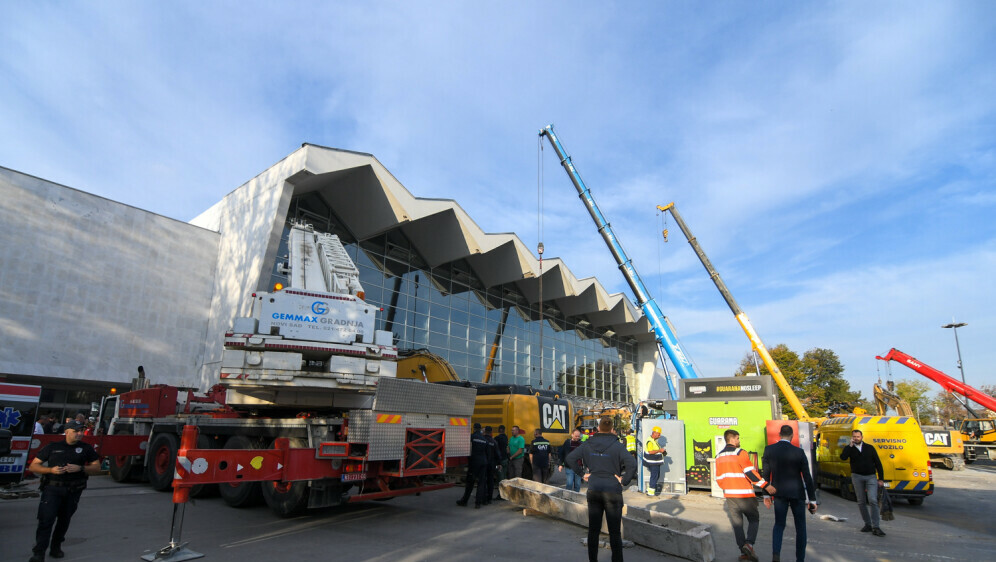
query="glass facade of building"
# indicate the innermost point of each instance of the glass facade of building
(448, 311)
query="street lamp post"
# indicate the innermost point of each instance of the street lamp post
(954, 327)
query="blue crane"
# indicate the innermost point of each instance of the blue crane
(666, 340)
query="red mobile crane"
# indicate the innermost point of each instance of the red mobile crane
(979, 432)
(308, 411)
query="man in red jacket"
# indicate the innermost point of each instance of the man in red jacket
(737, 476)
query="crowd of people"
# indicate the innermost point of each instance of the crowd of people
(49, 424)
(607, 462)
(494, 458)
(603, 460)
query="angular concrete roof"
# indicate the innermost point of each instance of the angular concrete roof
(370, 201)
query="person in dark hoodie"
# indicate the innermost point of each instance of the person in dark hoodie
(611, 469)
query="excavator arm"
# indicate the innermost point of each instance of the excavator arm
(885, 399)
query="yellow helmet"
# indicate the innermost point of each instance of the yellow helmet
(655, 430)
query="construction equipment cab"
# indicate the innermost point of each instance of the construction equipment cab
(899, 444)
(980, 438)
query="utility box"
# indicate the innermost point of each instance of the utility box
(711, 406)
(673, 439)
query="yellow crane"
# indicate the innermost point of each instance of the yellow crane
(755, 340)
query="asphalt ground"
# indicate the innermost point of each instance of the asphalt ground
(123, 521)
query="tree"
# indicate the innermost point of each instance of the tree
(915, 394)
(817, 379)
(989, 389)
(947, 408)
(824, 384)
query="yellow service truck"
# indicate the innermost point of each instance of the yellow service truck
(901, 448)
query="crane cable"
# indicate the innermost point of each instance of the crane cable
(660, 280)
(539, 189)
(540, 180)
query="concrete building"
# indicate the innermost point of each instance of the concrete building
(91, 288)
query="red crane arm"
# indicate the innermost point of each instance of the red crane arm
(950, 384)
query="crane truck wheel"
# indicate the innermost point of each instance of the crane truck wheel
(245, 494)
(287, 499)
(204, 490)
(162, 461)
(122, 467)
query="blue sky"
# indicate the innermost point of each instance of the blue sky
(836, 162)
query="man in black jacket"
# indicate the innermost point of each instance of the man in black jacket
(501, 440)
(482, 455)
(865, 464)
(611, 469)
(572, 472)
(785, 466)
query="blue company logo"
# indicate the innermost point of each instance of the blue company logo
(319, 307)
(9, 417)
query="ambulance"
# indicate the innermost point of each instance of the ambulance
(900, 446)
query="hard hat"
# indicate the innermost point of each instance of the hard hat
(655, 430)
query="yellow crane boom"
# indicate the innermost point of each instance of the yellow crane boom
(741, 316)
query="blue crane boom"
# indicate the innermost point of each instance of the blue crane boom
(666, 340)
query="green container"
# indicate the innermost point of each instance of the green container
(705, 422)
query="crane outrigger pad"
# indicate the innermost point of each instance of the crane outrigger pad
(173, 553)
(662, 532)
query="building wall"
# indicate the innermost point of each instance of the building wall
(650, 379)
(447, 310)
(91, 288)
(249, 222)
(435, 311)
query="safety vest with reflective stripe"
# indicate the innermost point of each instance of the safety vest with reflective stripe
(652, 452)
(735, 474)
(631, 443)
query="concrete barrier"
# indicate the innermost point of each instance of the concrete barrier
(659, 531)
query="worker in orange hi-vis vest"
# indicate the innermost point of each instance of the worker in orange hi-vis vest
(737, 476)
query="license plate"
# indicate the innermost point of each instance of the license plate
(354, 476)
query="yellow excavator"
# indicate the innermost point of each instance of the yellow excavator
(498, 404)
(588, 412)
(945, 445)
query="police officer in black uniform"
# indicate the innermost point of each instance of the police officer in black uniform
(63, 481)
(494, 463)
(481, 457)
